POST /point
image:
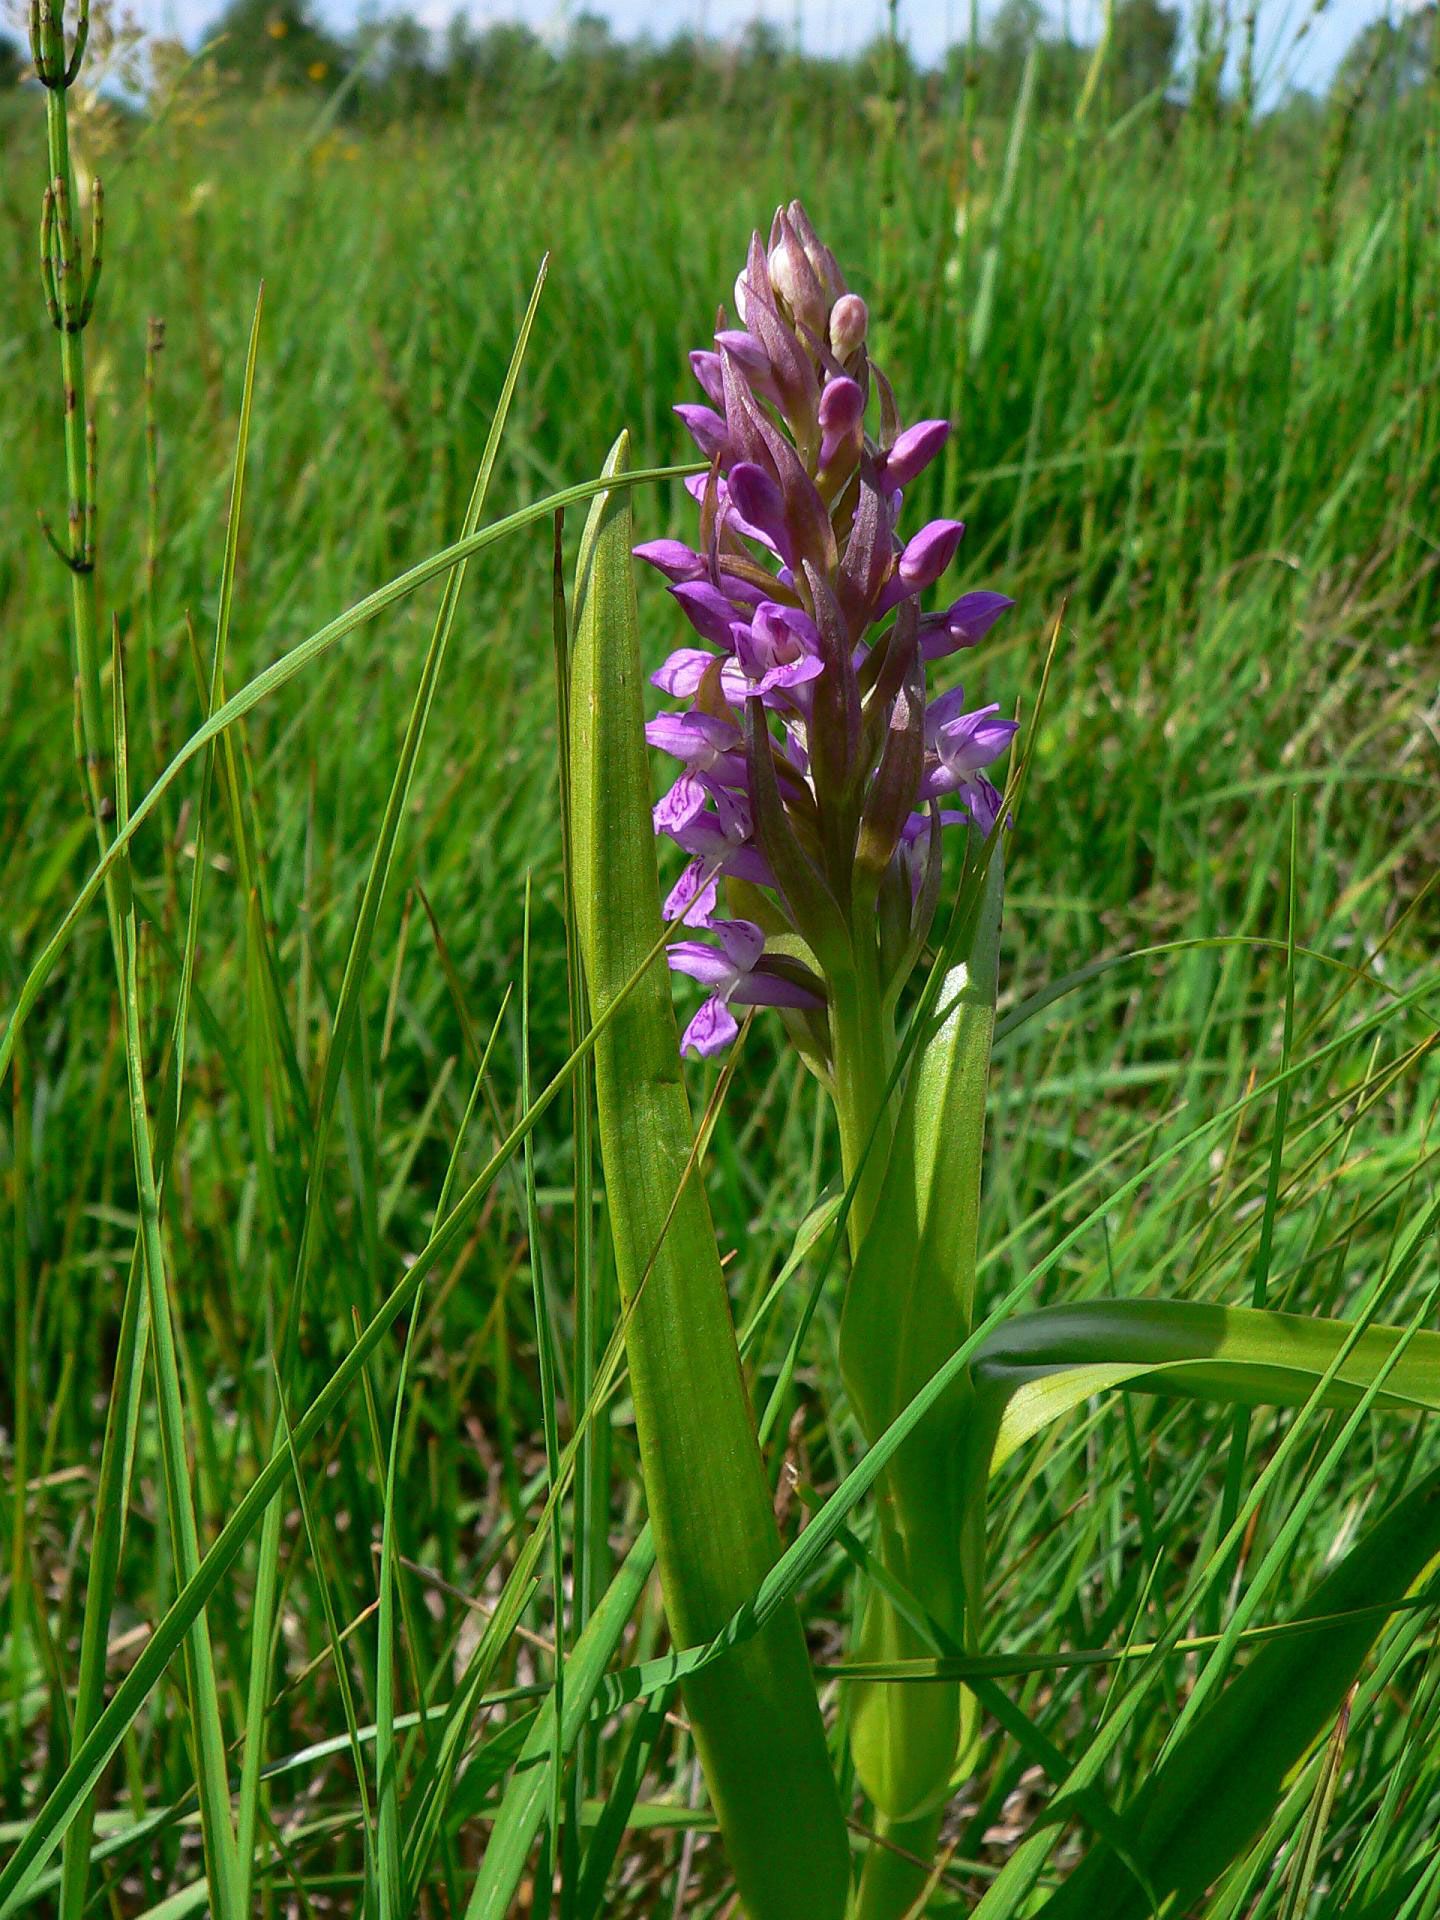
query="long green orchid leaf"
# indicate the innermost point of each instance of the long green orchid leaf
(755, 1716)
(1038, 1366)
(1034, 1368)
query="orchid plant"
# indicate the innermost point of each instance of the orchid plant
(819, 780)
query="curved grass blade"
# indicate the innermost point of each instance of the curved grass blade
(1201, 1807)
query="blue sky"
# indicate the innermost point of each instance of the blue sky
(1306, 58)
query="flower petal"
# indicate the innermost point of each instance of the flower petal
(913, 451)
(711, 1030)
(706, 428)
(693, 898)
(757, 498)
(929, 552)
(706, 368)
(968, 620)
(944, 708)
(672, 558)
(702, 962)
(743, 942)
(681, 674)
(696, 738)
(675, 810)
(708, 611)
(760, 989)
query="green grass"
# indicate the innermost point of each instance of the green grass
(1195, 379)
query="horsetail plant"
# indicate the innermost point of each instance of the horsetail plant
(818, 775)
(69, 290)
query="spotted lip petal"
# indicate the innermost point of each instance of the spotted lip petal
(711, 1030)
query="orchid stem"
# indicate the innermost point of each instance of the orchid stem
(897, 1866)
(864, 1044)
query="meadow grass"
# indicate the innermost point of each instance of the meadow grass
(1194, 370)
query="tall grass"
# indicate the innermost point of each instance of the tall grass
(1194, 369)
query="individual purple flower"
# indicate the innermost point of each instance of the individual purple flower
(842, 417)
(709, 611)
(746, 349)
(682, 672)
(922, 560)
(759, 506)
(717, 836)
(912, 452)
(777, 652)
(706, 428)
(672, 558)
(915, 840)
(984, 802)
(702, 743)
(959, 745)
(736, 976)
(849, 319)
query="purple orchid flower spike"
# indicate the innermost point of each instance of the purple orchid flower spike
(736, 976)
(810, 766)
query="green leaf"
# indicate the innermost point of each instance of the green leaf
(1038, 1366)
(755, 1717)
(1202, 1806)
(908, 1307)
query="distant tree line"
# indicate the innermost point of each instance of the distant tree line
(397, 68)
(394, 68)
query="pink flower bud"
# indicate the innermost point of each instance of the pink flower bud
(849, 320)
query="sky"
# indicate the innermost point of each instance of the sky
(1290, 51)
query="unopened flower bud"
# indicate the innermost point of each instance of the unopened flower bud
(785, 272)
(849, 319)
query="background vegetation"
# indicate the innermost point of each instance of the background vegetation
(1194, 357)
